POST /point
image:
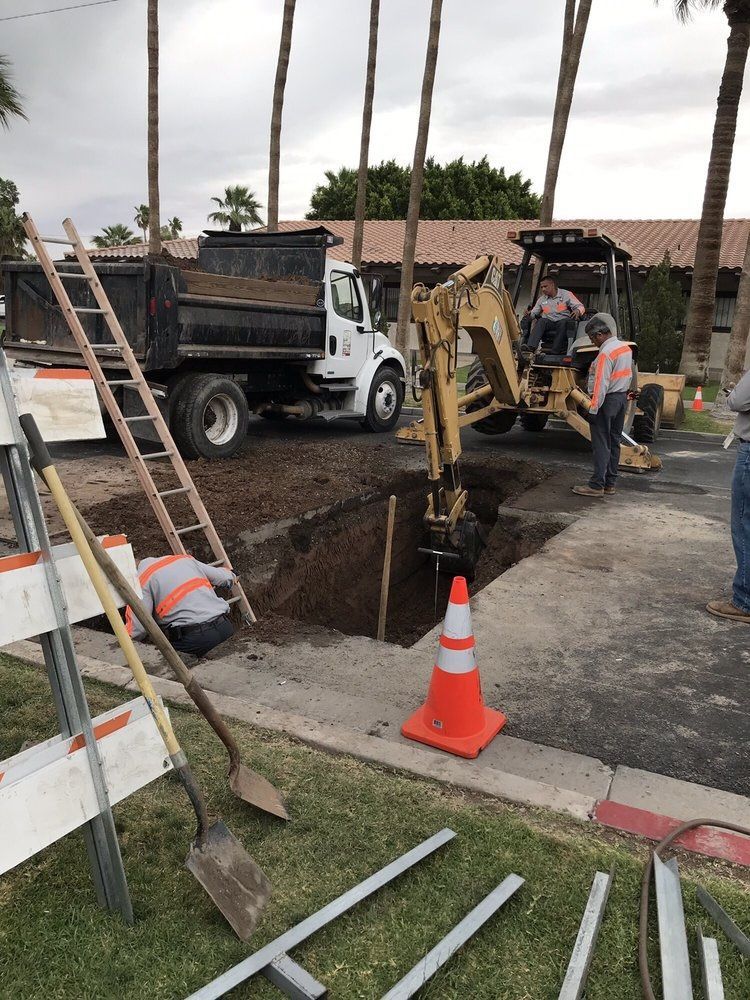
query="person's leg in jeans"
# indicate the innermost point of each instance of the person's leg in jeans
(741, 527)
(199, 642)
(538, 331)
(563, 329)
(618, 402)
(600, 444)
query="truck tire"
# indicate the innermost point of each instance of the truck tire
(384, 401)
(534, 421)
(647, 423)
(209, 417)
(497, 423)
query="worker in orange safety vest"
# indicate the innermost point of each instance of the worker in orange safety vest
(179, 593)
(610, 378)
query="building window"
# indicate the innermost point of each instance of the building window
(391, 303)
(724, 311)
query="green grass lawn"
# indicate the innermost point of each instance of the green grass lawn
(349, 819)
(708, 392)
(704, 423)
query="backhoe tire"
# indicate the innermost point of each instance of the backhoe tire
(497, 423)
(646, 425)
(209, 417)
(384, 401)
(534, 421)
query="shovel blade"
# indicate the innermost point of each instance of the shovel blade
(237, 885)
(254, 789)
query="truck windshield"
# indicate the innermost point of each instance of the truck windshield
(345, 296)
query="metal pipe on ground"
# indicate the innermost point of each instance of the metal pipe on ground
(235, 882)
(245, 783)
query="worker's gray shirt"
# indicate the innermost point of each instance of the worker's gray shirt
(739, 401)
(179, 590)
(562, 305)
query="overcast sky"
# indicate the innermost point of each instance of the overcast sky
(637, 144)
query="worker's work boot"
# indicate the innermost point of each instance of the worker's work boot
(588, 491)
(609, 491)
(725, 609)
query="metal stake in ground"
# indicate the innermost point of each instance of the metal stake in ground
(233, 880)
(386, 581)
(246, 784)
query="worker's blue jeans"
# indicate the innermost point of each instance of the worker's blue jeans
(741, 527)
(199, 639)
(606, 430)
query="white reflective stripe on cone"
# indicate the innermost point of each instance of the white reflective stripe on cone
(457, 661)
(457, 623)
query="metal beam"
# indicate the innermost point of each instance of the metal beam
(293, 981)
(296, 935)
(445, 949)
(673, 946)
(583, 950)
(722, 918)
(708, 953)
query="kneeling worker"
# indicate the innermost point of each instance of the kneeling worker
(179, 593)
(610, 376)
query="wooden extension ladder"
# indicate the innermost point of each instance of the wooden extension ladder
(121, 349)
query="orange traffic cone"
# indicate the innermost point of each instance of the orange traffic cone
(454, 717)
(698, 401)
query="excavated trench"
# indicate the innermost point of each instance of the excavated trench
(324, 569)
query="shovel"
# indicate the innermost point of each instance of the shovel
(234, 881)
(246, 784)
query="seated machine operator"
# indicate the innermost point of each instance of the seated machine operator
(550, 318)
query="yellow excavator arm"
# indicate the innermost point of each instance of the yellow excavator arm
(475, 299)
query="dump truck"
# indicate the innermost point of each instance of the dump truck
(507, 382)
(263, 323)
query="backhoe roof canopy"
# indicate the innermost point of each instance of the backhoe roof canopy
(558, 245)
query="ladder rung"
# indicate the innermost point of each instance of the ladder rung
(125, 381)
(157, 454)
(233, 600)
(132, 420)
(57, 239)
(193, 527)
(84, 309)
(217, 562)
(173, 493)
(72, 274)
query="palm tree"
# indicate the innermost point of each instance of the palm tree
(172, 230)
(237, 209)
(117, 235)
(696, 346)
(734, 364)
(574, 32)
(141, 219)
(417, 176)
(364, 145)
(282, 66)
(10, 99)
(154, 232)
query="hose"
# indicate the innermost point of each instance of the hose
(646, 986)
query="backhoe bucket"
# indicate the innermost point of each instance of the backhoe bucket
(238, 885)
(458, 553)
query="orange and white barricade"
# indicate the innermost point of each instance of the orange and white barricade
(454, 717)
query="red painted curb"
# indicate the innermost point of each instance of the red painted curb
(707, 840)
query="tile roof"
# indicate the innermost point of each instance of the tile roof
(444, 242)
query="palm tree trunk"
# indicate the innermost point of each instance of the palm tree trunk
(364, 145)
(154, 228)
(570, 59)
(417, 178)
(696, 347)
(736, 360)
(282, 66)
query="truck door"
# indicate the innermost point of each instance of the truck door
(347, 333)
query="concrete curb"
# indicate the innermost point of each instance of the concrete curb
(629, 790)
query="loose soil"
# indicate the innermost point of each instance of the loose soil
(304, 525)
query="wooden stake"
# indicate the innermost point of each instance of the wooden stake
(386, 581)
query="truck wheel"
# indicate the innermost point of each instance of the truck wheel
(497, 423)
(646, 424)
(384, 401)
(534, 421)
(209, 417)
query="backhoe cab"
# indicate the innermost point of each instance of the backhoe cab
(503, 383)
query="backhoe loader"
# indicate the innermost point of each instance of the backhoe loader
(508, 383)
